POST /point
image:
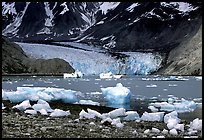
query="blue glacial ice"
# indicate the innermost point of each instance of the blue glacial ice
(44, 93)
(157, 116)
(94, 62)
(179, 106)
(117, 95)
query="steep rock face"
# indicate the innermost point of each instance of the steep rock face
(15, 61)
(12, 58)
(186, 59)
(50, 66)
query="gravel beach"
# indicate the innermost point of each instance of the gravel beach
(17, 124)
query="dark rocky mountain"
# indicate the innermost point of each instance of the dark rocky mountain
(116, 26)
(15, 61)
(171, 28)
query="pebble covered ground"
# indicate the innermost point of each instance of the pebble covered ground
(17, 124)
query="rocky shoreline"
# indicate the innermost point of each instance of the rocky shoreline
(18, 124)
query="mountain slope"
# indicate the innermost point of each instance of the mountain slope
(185, 59)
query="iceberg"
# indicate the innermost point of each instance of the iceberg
(106, 75)
(183, 106)
(88, 102)
(29, 111)
(196, 124)
(117, 95)
(36, 93)
(23, 106)
(76, 74)
(41, 104)
(120, 112)
(131, 116)
(157, 116)
(60, 113)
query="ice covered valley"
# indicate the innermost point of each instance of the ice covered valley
(93, 61)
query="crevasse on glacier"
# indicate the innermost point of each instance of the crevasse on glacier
(94, 62)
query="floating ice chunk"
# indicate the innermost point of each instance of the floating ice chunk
(106, 75)
(160, 136)
(117, 76)
(196, 124)
(43, 111)
(41, 104)
(15, 97)
(84, 114)
(23, 106)
(76, 74)
(29, 111)
(155, 130)
(97, 114)
(59, 113)
(170, 100)
(198, 78)
(152, 108)
(173, 132)
(88, 102)
(183, 106)
(120, 112)
(117, 95)
(157, 116)
(3, 107)
(151, 85)
(131, 116)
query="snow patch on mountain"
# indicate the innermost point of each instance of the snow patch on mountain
(131, 8)
(13, 27)
(181, 6)
(106, 6)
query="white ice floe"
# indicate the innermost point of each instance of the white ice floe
(157, 116)
(36, 93)
(119, 112)
(30, 111)
(60, 113)
(173, 132)
(117, 123)
(131, 116)
(179, 127)
(88, 102)
(151, 85)
(84, 114)
(76, 74)
(43, 112)
(106, 75)
(95, 113)
(196, 124)
(171, 115)
(23, 106)
(182, 106)
(153, 109)
(117, 95)
(41, 104)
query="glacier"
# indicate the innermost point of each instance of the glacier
(93, 61)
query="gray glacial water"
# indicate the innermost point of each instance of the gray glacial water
(143, 91)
